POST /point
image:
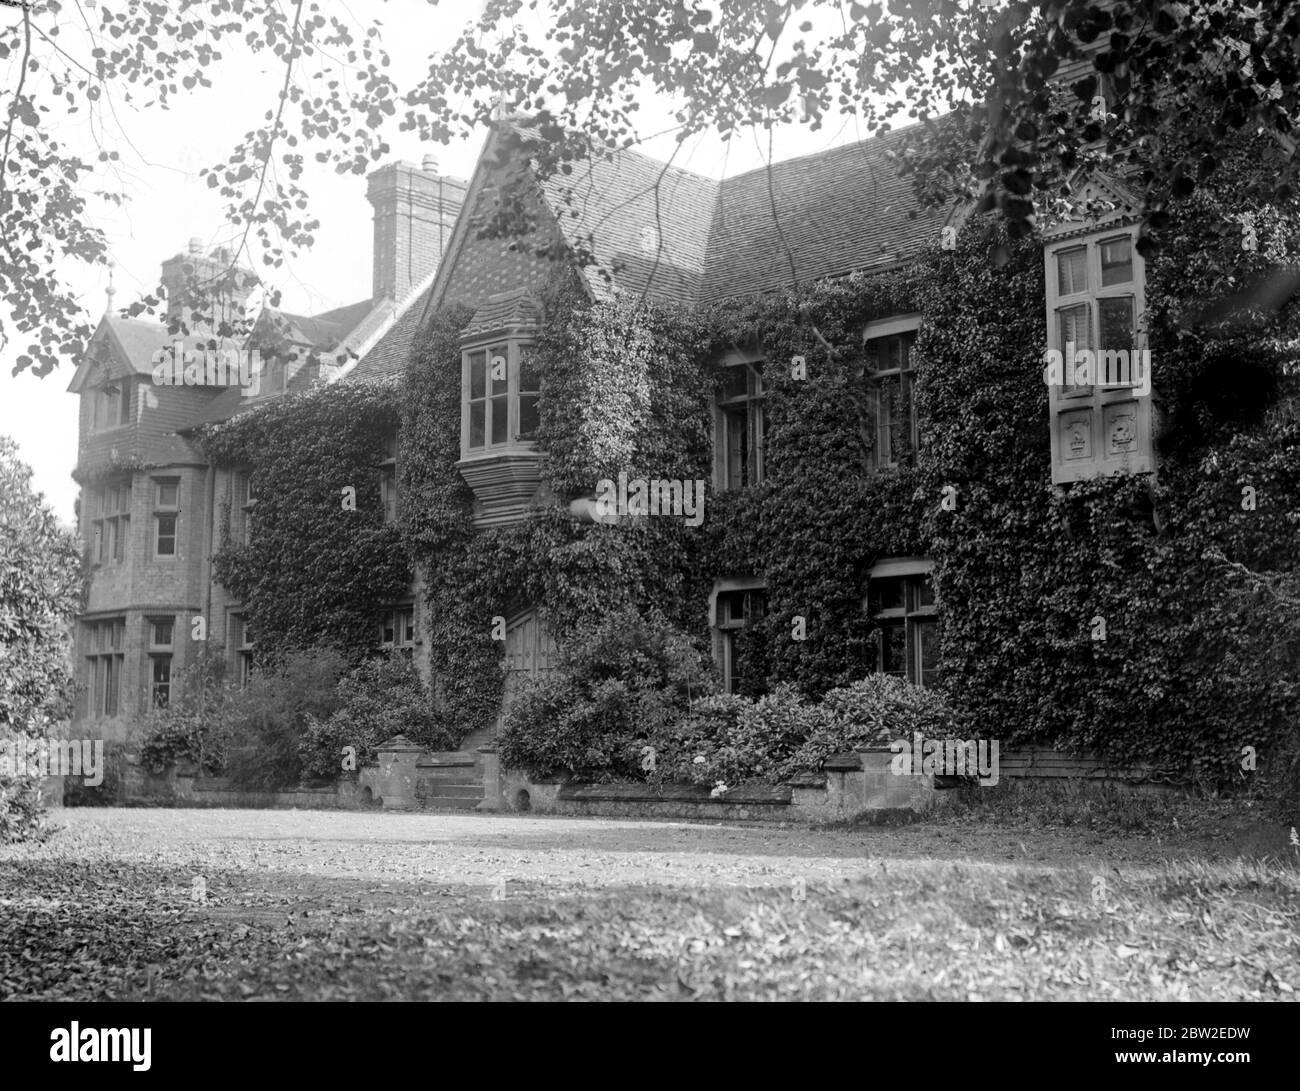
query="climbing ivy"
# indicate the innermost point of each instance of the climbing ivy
(316, 569)
(1190, 669)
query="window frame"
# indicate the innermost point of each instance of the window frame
(110, 525)
(912, 616)
(898, 326)
(751, 407)
(388, 488)
(160, 654)
(243, 498)
(516, 348)
(123, 403)
(163, 511)
(405, 638)
(105, 653)
(1082, 416)
(243, 652)
(723, 630)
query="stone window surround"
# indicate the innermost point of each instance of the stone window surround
(720, 642)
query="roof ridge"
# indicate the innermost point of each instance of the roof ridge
(837, 148)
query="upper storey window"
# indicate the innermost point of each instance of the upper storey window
(1098, 368)
(895, 427)
(740, 426)
(500, 392)
(110, 405)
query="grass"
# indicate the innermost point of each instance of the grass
(299, 905)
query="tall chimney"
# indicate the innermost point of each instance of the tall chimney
(415, 211)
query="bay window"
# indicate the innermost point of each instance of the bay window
(500, 392)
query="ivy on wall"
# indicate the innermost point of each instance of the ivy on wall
(316, 570)
(622, 392)
(1187, 673)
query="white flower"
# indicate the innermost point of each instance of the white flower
(718, 789)
(699, 759)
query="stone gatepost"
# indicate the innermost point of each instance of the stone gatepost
(490, 765)
(395, 778)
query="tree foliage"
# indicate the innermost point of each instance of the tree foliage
(40, 591)
(732, 67)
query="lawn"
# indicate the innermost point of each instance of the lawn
(197, 904)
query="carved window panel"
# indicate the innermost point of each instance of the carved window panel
(1100, 399)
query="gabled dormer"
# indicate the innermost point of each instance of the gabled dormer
(500, 394)
(110, 385)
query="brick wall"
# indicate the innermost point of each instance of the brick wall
(415, 211)
(486, 267)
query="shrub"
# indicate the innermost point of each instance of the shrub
(379, 699)
(189, 729)
(251, 735)
(22, 809)
(776, 736)
(626, 681)
(740, 739)
(873, 712)
(264, 724)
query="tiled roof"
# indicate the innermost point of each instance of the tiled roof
(517, 308)
(321, 332)
(646, 221)
(387, 357)
(682, 238)
(817, 216)
(132, 344)
(231, 402)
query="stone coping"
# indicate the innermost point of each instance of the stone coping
(623, 792)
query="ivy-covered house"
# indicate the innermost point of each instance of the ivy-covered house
(899, 476)
(820, 429)
(158, 513)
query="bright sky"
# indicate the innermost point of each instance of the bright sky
(168, 204)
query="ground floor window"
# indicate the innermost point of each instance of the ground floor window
(240, 648)
(161, 635)
(901, 600)
(735, 610)
(105, 644)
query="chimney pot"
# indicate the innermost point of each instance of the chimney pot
(430, 164)
(196, 245)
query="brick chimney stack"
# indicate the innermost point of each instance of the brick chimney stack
(195, 281)
(415, 211)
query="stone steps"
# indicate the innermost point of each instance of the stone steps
(441, 803)
(455, 791)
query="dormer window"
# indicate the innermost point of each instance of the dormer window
(500, 392)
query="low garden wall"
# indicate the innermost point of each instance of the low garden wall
(849, 785)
